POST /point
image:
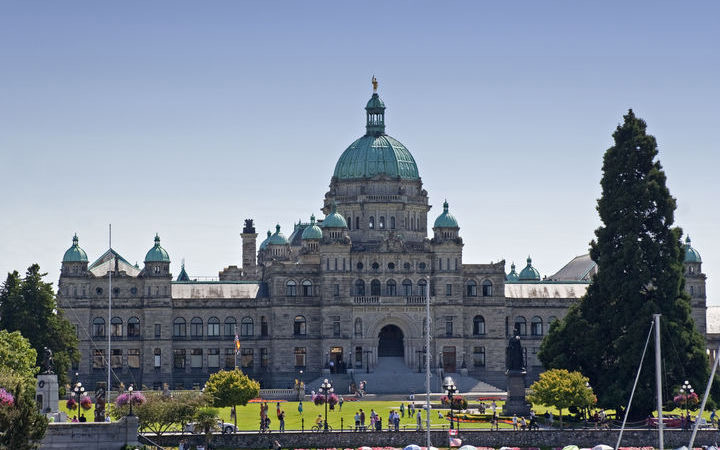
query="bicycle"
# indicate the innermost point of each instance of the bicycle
(320, 427)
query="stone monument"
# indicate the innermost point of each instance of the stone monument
(46, 387)
(515, 373)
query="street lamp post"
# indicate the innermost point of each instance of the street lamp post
(77, 393)
(326, 389)
(449, 386)
(686, 390)
(130, 400)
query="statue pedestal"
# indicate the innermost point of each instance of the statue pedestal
(46, 393)
(516, 403)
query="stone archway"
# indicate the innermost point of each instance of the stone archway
(391, 341)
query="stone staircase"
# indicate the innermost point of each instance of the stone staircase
(392, 376)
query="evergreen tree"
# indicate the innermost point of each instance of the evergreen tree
(640, 272)
(28, 305)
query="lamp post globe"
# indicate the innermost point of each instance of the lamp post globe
(130, 399)
(686, 390)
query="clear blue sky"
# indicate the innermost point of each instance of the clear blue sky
(184, 118)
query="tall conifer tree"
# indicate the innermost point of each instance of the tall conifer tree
(640, 273)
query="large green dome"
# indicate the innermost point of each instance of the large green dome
(312, 231)
(446, 220)
(529, 273)
(75, 253)
(691, 255)
(157, 253)
(376, 153)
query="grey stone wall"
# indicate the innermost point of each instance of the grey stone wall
(91, 436)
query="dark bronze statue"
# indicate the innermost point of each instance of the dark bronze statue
(48, 362)
(514, 353)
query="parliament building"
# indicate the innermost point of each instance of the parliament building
(346, 290)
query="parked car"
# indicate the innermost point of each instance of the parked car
(225, 427)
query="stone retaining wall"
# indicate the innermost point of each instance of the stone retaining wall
(541, 438)
(91, 435)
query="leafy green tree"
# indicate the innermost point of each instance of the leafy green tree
(17, 357)
(562, 389)
(231, 388)
(206, 419)
(160, 412)
(640, 273)
(28, 305)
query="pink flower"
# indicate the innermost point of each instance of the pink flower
(86, 403)
(71, 404)
(6, 398)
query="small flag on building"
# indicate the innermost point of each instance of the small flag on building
(237, 343)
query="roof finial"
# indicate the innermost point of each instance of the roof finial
(374, 83)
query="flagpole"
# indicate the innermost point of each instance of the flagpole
(427, 360)
(109, 325)
(237, 347)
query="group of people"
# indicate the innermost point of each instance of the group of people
(81, 419)
(521, 423)
(265, 418)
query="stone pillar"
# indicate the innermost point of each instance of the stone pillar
(46, 393)
(516, 403)
(249, 249)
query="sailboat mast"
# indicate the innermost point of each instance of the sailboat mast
(658, 381)
(109, 329)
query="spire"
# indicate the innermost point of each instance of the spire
(312, 219)
(445, 206)
(375, 109)
(75, 240)
(157, 240)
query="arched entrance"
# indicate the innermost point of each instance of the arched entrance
(391, 341)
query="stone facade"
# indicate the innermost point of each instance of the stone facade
(343, 292)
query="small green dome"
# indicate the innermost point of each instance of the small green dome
(512, 276)
(264, 243)
(334, 220)
(277, 238)
(529, 273)
(446, 220)
(375, 102)
(313, 231)
(157, 253)
(75, 253)
(691, 255)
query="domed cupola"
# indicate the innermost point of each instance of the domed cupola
(277, 238)
(446, 220)
(691, 255)
(334, 220)
(376, 153)
(312, 232)
(529, 273)
(157, 253)
(513, 276)
(264, 243)
(75, 254)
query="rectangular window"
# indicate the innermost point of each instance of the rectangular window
(116, 358)
(336, 290)
(448, 328)
(479, 356)
(264, 358)
(134, 358)
(336, 329)
(229, 358)
(213, 328)
(196, 356)
(179, 358)
(358, 356)
(246, 357)
(157, 357)
(99, 359)
(214, 358)
(448, 289)
(300, 354)
(158, 329)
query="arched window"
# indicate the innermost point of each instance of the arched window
(381, 223)
(375, 266)
(300, 326)
(246, 327)
(392, 222)
(407, 288)
(179, 327)
(196, 327)
(375, 287)
(536, 326)
(98, 328)
(371, 222)
(487, 288)
(349, 222)
(230, 323)
(116, 326)
(521, 325)
(391, 288)
(358, 327)
(213, 326)
(422, 284)
(478, 326)
(307, 288)
(133, 327)
(291, 288)
(359, 287)
(471, 288)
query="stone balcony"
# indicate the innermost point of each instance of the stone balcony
(387, 300)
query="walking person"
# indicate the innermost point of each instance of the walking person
(419, 421)
(402, 409)
(357, 420)
(340, 402)
(362, 420)
(515, 422)
(300, 407)
(281, 418)
(396, 420)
